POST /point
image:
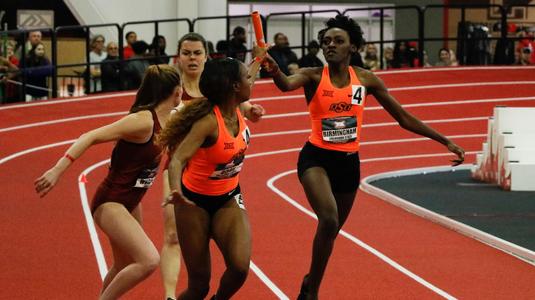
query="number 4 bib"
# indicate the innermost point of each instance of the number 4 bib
(358, 93)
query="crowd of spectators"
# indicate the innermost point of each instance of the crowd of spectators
(34, 67)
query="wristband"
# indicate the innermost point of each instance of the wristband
(67, 156)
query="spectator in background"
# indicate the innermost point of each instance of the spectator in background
(236, 45)
(37, 69)
(136, 65)
(8, 72)
(210, 49)
(371, 59)
(453, 58)
(405, 55)
(221, 47)
(525, 56)
(34, 38)
(388, 58)
(110, 69)
(527, 41)
(131, 37)
(281, 53)
(96, 55)
(10, 53)
(311, 60)
(444, 58)
(356, 59)
(157, 50)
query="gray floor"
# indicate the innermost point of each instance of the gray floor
(507, 215)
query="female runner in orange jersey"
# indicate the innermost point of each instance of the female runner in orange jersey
(191, 57)
(329, 166)
(208, 139)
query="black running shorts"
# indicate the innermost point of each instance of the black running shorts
(343, 168)
(213, 203)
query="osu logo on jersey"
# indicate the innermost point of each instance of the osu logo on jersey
(340, 107)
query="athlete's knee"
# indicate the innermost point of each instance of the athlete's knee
(171, 238)
(239, 271)
(150, 262)
(199, 284)
(328, 224)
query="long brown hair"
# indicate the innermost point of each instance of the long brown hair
(159, 82)
(216, 84)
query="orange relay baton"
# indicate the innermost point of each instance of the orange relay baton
(257, 26)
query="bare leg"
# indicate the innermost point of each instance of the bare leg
(128, 238)
(193, 228)
(120, 258)
(231, 231)
(170, 253)
(332, 211)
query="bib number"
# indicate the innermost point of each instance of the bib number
(146, 178)
(358, 93)
(239, 200)
(339, 130)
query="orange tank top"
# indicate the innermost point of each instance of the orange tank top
(336, 113)
(215, 170)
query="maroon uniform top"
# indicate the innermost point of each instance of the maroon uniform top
(132, 171)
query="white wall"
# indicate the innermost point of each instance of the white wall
(121, 11)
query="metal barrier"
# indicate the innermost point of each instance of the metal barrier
(20, 35)
(87, 64)
(463, 40)
(381, 26)
(422, 13)
(157, 28)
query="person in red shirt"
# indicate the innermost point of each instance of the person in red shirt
(131, 37)
(329, 165)
(134, 165)
(208, 139)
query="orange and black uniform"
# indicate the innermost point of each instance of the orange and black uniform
(132, 171)
(211, 177)
(336, 121)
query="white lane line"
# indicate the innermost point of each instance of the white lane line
(120, 113)
(452, 69)
(97, 247)
(468, 84)
(509, 248)
(89, 220)
(272, 286)
(35, 149)
(284, 115)
(62, 101)
(99, 254)
(386, 259)
(393, 72)
(424, 104)
(299, 131)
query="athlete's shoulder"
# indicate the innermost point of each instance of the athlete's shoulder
(366, 77)
(311, 71)
(142, 119)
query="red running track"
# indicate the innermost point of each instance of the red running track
(47, 251)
